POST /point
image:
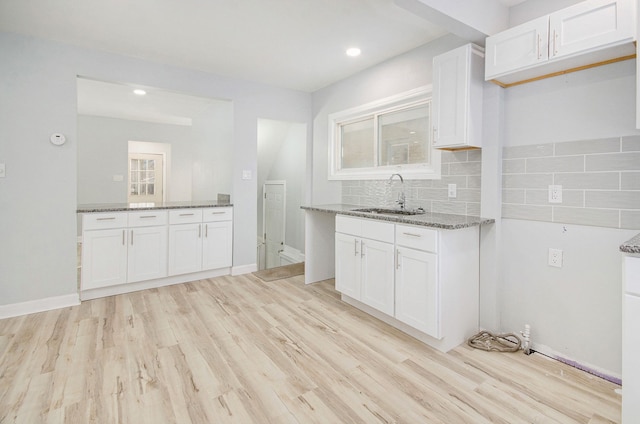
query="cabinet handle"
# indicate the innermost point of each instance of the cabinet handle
(555, 49)
(435, 135)
(199, 230)
(218, 213)
(186, 214)
(412, 234)
(123, 233)
(355, 247)
(131, 237)
(106, 219)
(147, 216)
(206, 230)
(397, 258)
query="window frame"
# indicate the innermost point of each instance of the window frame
(405, 100)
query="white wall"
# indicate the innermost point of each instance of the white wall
(573, 311)
(38, 197)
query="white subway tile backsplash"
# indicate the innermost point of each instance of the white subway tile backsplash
(556, 164)
(457, 208)
(532, 151)
(630, 220)
(528, 212)
(465, 168)
(606, 145)
(586, 216)
(631, 143)
(600, 182)
(630, 180)
(626, 161)
(613, 199)
(454, 156)
(474, 181)
(588, 180)
(540, 181)
(459, 180)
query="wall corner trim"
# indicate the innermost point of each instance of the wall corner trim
(39, 305)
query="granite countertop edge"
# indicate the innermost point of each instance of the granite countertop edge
(631, 246)
(435, 220)
(125, 207)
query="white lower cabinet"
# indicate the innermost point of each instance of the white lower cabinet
(104, 258)
(423, 280)
(136, 247)
(195, 245)
(417, 293)
(364, 261)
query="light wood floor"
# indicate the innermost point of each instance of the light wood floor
(239, 350)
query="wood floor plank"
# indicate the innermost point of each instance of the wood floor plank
(240, 350)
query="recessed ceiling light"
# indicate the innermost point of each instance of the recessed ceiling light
(353, 52)
(139, 92)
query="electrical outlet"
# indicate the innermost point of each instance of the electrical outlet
(452, 191)
(555, 258)
(555, 194)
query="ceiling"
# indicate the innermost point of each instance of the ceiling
(298, 44)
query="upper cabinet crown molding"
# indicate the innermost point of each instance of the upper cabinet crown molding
(587, 34)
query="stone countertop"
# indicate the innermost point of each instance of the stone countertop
(429, 219)
(118, 207)
(631, 246)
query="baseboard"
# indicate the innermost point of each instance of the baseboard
(244, 269)
(591, 369)
(39, 305)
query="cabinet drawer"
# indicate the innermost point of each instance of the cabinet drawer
(100, 221)
(147, 218)
(417, 238)
(217, 214)
(185, 216)
(367, 228)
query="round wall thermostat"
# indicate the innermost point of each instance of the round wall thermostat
(58, 139)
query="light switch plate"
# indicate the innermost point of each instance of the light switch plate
(246, 174)
(2, 170)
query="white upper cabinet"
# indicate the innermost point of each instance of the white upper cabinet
(586, 34)
(457, 98)
(517, 48)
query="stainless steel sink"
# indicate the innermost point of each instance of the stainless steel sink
(383, 211)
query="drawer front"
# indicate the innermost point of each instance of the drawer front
(217, 214)
(348, 225)
(148, 218)
(417, 238)
(185, 216)
(378, 230)
(101, 221)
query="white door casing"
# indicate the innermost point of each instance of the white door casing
(274, 193)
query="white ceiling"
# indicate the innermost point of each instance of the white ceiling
(297, 44)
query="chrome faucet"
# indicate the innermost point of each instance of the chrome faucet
(401, 198)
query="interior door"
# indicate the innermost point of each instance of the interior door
(274, 221)
(146, 178)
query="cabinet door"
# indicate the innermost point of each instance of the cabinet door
(631, 359)
(589, 25)
(377, 289)
(217, 244)
(104, 258)
(417, 291)
(348, 265)
(450, 88)
(517, 48)
(147, 253)
(185, 248)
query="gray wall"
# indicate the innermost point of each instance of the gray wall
(38, 196)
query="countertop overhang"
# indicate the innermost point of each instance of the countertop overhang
(631, 246)
(123, 207)
(429, 219)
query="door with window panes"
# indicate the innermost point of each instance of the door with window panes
(145, 178)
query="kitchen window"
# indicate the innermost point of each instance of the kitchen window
(392, 135)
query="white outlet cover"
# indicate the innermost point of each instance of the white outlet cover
(452, 191)
(555, 258)
(555, 194)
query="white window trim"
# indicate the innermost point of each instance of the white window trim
(411, 171)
